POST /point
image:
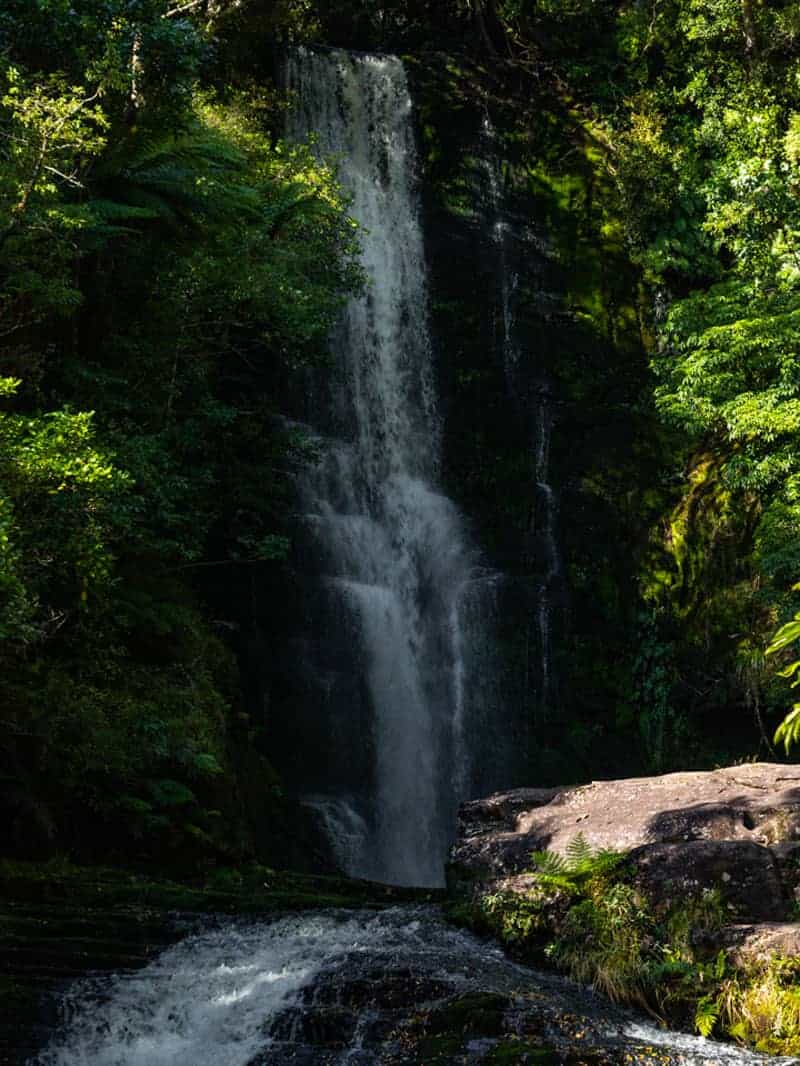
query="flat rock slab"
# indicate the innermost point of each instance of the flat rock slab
(736, 829)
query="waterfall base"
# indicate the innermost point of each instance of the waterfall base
(398, 987)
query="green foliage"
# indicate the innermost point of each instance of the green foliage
(166, 264)
(703, 147)
(560, 881)
(579, 867)
(706, 1015)
(760, 1006)
(58, 495)
(788, 732)
(606, 933)
(602, 941)
(516, 919)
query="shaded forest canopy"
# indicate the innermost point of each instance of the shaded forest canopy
(170, 271)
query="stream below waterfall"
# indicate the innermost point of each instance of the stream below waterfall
(392, 986)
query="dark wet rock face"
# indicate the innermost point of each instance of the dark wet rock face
(736, 830)
(746, 873)
(46, 944)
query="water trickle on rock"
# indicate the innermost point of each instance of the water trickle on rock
(530, 392)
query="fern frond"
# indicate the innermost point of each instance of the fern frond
(579, 853)
(549, 863)
(558, 882)
(113, 211)
(580, 865)
(605, 861)
(706, 1015)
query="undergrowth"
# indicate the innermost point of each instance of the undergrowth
(586, 915)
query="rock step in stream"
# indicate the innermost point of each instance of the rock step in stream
(60, 925)
(398, 986)
(45, 946)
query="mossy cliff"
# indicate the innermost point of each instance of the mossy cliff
(538, 320)
(670, 578)
(543, 325)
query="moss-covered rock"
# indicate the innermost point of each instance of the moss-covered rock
(475, 1014)
(515, 1052)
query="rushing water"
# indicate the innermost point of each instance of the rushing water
(394, 555)
(341, 987)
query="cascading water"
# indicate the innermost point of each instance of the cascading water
(342, 987)
(394, 555)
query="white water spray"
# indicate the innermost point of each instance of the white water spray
(393, 546)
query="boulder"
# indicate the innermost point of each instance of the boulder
(746, 873)
(760, 941)
(735, 829)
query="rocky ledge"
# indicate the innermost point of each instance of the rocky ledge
(736, 830)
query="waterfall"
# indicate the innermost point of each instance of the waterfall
(393, 554)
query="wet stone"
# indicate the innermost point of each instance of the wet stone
(329, 1027)
(516, 1052)
(474, 1013)
(381, 988)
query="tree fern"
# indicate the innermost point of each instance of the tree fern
(103, 218)
(187, 178)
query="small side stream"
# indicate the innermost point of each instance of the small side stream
(398, 986)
